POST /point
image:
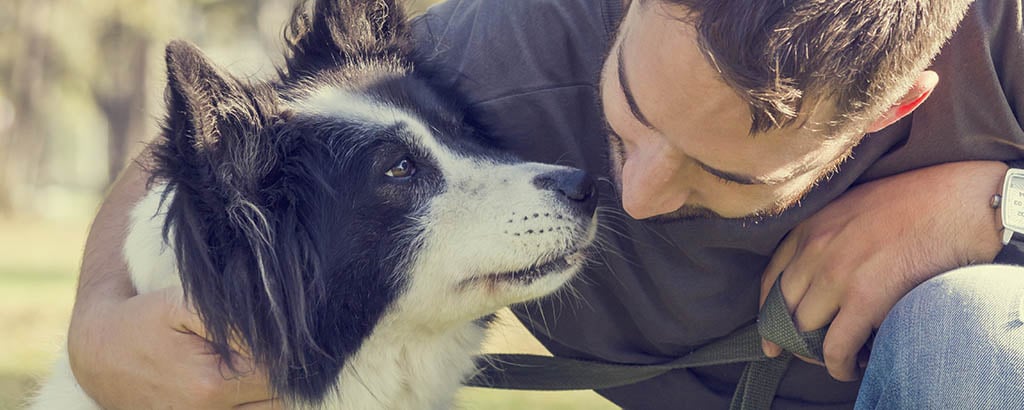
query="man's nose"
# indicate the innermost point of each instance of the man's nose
(651, 186)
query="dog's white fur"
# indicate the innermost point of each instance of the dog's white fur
(422, 348)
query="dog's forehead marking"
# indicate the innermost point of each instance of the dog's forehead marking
(351, 106)
(346, 105)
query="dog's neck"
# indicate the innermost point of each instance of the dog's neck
(402, 368)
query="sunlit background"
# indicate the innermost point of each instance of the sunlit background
(81, 85)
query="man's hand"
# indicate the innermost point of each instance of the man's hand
(146, 352)
(135, 352)
(853, 260)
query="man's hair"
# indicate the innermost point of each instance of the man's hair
(863, 55)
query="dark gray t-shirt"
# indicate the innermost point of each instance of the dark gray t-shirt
(530, 69)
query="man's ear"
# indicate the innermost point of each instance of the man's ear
(922, 88)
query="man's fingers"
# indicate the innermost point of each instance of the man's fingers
(274, 404)
(251, 392)
(180, 316)
(770, 349)
(247, 383)
(183, 318)
(810, 360)
(817, 307)
(780, 260)
(843, 342)
(241, 381)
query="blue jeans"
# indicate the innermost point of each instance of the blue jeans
(954, 342)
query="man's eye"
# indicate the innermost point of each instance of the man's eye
(725, 181)
(402, 169)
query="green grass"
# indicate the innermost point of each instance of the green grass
(37, 287)
(38, 270)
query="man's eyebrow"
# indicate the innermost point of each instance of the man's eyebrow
(740, 178)
(624, 84)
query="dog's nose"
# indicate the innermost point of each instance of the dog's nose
(575, 185)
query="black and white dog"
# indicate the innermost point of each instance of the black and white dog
(344, 222)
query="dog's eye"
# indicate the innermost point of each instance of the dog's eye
(403, 169)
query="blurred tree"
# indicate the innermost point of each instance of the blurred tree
(124, 89)
(21, 149)
(81, 80)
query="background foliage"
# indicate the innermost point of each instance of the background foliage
(81, 84)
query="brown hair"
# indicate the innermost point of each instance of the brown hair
(861, 54)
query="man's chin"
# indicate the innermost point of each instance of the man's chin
(686, 213)
(699, 213)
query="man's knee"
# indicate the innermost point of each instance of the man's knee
(985, 301)
(957, 339)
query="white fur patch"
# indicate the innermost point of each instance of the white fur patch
(341, 104)
(151, 262)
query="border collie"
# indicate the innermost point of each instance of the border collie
(346, 221)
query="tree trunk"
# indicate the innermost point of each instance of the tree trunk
(23, 146)
(122, 100)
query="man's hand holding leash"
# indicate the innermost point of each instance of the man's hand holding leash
(852, 261)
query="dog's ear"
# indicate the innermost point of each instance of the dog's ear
(342, 31)
(200, 99)
(224, 161)
(214, 122)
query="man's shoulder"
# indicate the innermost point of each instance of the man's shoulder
(502, 16)
(496, 47)
(977, 110)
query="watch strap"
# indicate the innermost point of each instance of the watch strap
(1012, 253)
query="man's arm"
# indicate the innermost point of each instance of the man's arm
(133, 351)
(104, 275)
(854, 259)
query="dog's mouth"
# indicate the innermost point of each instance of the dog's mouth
(555, 265)
(528, 275)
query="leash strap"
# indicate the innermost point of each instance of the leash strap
(755, 390)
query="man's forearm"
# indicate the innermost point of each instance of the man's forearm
(103, 279)
(104, 272)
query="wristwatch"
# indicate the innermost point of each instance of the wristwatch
(1010, 202)
(1012, 205)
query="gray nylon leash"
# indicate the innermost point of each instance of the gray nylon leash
(754, 391)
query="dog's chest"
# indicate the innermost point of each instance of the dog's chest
(403, 370)
(151, 261)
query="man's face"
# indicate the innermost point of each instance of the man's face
(679, 135)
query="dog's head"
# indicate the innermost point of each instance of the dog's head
(308, 210)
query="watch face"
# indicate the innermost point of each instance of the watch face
(1013, 200)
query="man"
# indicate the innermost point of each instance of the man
(748, 139)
